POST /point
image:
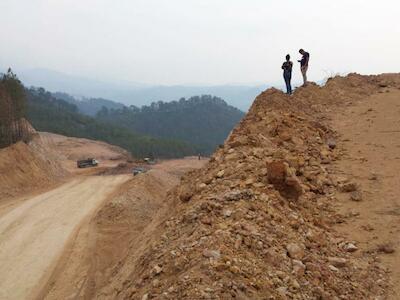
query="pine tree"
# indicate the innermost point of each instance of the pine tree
(12, 109)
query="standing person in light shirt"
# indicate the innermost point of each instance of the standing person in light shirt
(304, 64)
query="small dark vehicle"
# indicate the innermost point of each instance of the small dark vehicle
(150, 161)
(138, 170)
(85, 163)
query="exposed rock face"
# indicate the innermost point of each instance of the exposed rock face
(255, 223)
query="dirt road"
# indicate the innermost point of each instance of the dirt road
(370, 135)
(106, 246)
(34, 234)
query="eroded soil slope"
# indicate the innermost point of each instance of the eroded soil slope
(46, 161)
(25, 167)
(258, 221)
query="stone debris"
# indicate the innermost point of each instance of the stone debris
(331, 142)
(373, 176)
(281, 176)
(333, 268)
(350, 247)
(298, 267)
(338, 262)
(295, 251)
(349, 187)
(256, 221)
(356, 196)
(215, 254)
(145, 297)
(386, 248)
(237, 195)
(227, 213)
(185, 194)
(220, 174)
(157, 270)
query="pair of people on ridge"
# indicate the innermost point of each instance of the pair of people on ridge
(288, 66)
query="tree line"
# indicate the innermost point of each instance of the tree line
(47, 113)
(13, 127)
(163, 129)
(203, 121)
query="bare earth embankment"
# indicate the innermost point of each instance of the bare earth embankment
(71, 149)
(25, 167)
(370, 137)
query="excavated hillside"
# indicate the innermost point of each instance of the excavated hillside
(28, 166)
(257, 221)
(47, 158)
(72, 149)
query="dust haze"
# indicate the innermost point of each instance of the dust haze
(198, 42)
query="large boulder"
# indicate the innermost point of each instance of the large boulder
(284, 180)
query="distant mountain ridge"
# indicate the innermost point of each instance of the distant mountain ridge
(89, 106)
(133, 93)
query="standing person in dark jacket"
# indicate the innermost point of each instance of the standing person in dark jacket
(287, 73)
(304, 64)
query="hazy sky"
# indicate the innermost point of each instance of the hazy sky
(199, 41)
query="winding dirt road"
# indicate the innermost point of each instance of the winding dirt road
(34, 234)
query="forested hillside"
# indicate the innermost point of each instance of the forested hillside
(47, 113)
(174, 129)
(135, 93)
(203, 121)
(13, 127)
(89, 106)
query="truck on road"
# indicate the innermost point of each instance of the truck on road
(85, 163)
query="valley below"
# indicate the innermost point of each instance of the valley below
(49, 228)
(300, 202)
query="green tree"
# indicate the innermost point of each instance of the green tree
(13, 109)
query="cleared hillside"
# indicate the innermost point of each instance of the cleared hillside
(25, 167)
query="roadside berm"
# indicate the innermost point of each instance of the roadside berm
(257, 221)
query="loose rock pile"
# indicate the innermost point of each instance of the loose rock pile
(256, 222)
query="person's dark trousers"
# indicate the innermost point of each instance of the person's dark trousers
(288, 78)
